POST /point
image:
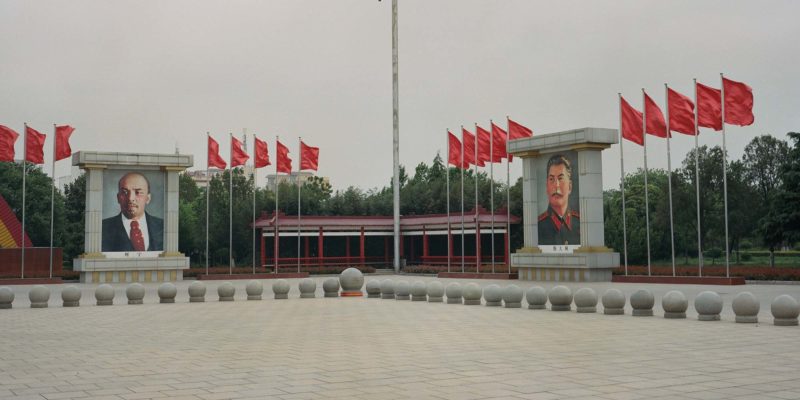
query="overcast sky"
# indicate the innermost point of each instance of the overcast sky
(147, 76)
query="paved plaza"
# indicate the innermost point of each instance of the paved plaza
(328, 348)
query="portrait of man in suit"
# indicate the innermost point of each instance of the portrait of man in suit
(133, 229)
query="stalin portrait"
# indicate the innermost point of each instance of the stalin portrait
(559, 225)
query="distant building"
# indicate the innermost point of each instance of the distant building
(202, 177)
(302, 176)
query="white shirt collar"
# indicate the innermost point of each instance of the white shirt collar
(126, 222)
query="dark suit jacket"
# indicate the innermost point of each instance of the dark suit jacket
(116, 239)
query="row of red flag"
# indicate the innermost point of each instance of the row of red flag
(491, 147)
(309, 156)
(34, 144)
(738, 111)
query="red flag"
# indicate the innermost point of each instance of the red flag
(484, 141)
(709, 107)
(631, 123)
(262, 153)
(454, 153)
(238, 155)
(63, 150)
(656, 125)
(738, 103)
(681, 112)
(469, 147)
(309, 157)
(7, 139)
(499, 144)
(214, 159)
(284, 163)
(517, 131)
(34, 145)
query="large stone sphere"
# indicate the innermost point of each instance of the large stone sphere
(435, 291)
(167, 292)
(387, 289)
(536, 298)
(560, 298)
(225, 291)
(674, 304)
(642, 302)
(254, 290)
(6, 297)
(39, 296)
(493, 295)
(104, 294)
(71, 296)
(708, 305)
(746, 307)
(281, 289)
(331, 287)
(472, 294)
(785, 309)
(512, 296)
(586, 300)
(419, 291)
(135, 293)
(197, 292)
(454, 293)
(352, 280)
(402, 291)
(373, 289)
(613, 302)
(308, 288)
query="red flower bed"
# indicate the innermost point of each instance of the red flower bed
(748, 272)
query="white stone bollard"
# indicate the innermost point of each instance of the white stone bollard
(512, 296)
(419, 291)
(254, 289)
(472, 294)
(785, 310)
(197, 292)
(402, 291)
(642, 302)
(135, 293)
(331, 287)
(104, 294)
(6, 297)
(454, 293)
(560, 298)
(281, 289)
(226, 291)
(674, 304)
(39, 296)
(435, 291)
(708, 305)
(71, 296)
(387, 289)
(746, 307)
(493, 295)
(536, 298)
(613, 302)
(351, 281)
(374, 289)
(167, 292)
(308, 288)
(586, 300)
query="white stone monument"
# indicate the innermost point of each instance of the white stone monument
(563, 207)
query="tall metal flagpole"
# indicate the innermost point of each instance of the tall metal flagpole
(299, 186)
(275, 241)
(697, 180)
(255, 186)
(52, 199)
(669, 181)
(461, 167)
(725, 176)
(447, 169)
(208, 195)
(396, 139)
(491, 185)
(477, 236)
(24, 173)
(230, 211)
(622, 183)
(508, 195)
(646, 200)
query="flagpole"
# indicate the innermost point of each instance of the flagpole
(230, 211)
(208, 191)
(508, 194)
(669, 182)
(622, 183)
(24, 173)
(255, 186)
(461, 167)
(646, 200)
(697, 179)
(52, 199)
(477, 236)
(299, 187)
(275, 238)
(447, 168)
(491, 185)
(725, 177)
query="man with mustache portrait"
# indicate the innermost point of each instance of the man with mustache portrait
(133, 229)
(559, 225)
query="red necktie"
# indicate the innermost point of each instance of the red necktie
(136, 236)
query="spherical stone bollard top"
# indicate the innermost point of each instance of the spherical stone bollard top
(708, 305)
(642, 302)
(197, 292)
(512, 296)
(472, 294)
(536, 298)
(352, 280)
(402, 291)
(135, 293)
(586, 300)
(674, 304)
(454, 293)
(387, 289)
(746, 307)
(493, 295)
(6, 297)
(374, 289)
(254, 289)
(167, 292)
(226, 291)
(419, 291)
(560, 298)
(104, 294)
(39, 296)
(281, 289)
(613, 302)
(785, 309)
(308, 288)
(331, 287)
(435, 291)
(71, 296)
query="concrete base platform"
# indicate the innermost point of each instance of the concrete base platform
(31, 281)
(680, 280)
(565, 267)
(224, 277)
(476, 275)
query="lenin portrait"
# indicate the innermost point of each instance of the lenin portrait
(560, 223)
(133, 227)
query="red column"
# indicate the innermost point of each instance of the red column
(277, 254)
(505, 252)
(361, 246)
(477, 246)
(263, 249)
(402, 245)
(386, 248)
(347, 248)
(411, 253)
(424, 243)
(321, 254)
(307, 250)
